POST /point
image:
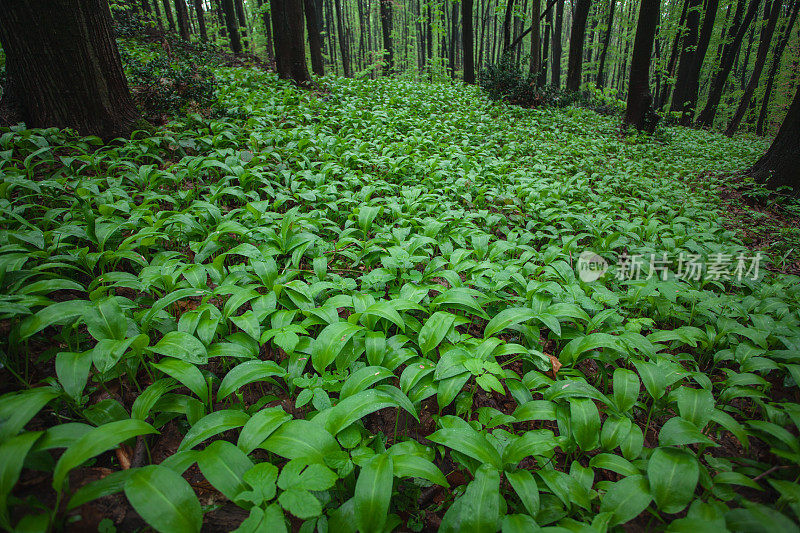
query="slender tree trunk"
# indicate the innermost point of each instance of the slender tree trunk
(201, 20)
(267, 31)
(576, 41)
(556, 63)
(743, 66)
(466, 40)
(241, 16)
(342, 39)
(774, 9)
(773, 70)
(778, 167)
(706, 117)
(386, 26)
(663, 97)
(690, 93)
(182, 14)
(314, 37)
(548, 28)
(453, 40)
(156, 5)
(606, 41)
(536, 58)
(290, 50)
(232, 26)
(686, 63)
(507, 24)
(63, 67)
(168, 13)
(639, 112)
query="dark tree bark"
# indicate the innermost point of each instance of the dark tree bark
(168, 13)
(345, 50)
(576, 39)
(156, 5)
(241, 15)
(466, 42)
(267, 31)
(536, 40)
(686, 63)
(507, 25)
(386, 27)
(556, 63)
(774, 9)
(314, 37)
(606, 42)
(453, 42)
(663, 96)
(773, 70)
(689, 94)
(288, 34)
(548, 28)
(778, 167)
(182, 14)
(201, 19)
(63, 67)
(706, 117)
(639, 112)
(232, 26)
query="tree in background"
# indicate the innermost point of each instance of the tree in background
(289, 38)
(182, 14)
(773, 9)
(606, 42)
(576, 40)
(386, 26)
(314, 37)
(201, 19)
(779, 166)
(639, 112)
(776, 61)
(64, 68)
(232, 26)
(729, 53)
(466, 42)
(556, 62)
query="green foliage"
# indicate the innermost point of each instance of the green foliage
(337, 302)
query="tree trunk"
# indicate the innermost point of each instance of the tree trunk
(201, 19)
(267, 31)
(314, 37)
(453, 40)
(386, 26)
(288, 34)
(706, 117)
(556, 62)
(778, 167)
(773, 70)
(241, 16)
(639, 112)
(182, 14)
(507, 25)
(168, 13)
(63, 67)
(342, 39)
(536, 41)
(606, 42)
(548, 28)
(686, 63)
(761, 57)
(466, 41)
(576, 40)
(232, 26)
(696, 64)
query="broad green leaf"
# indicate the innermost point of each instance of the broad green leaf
(246, 373)
(329, 343)
(507, 318)
(673, 474)
(164, 499)
(469, 442)
(372, 493)
(260, 426)
(213, 424)
(186, 373)
(301, 439)
(224, 466)
(181, 345)
(626, 498)
(434, 330)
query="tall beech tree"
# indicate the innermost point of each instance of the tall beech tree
(63, 67)
(509, 16)
(687, 57)
(720, 77)
(773, 70)
(778, 167)
(168, 13)
(606, 42)
(691, 86)
(232, 26)
(182, 14)
(314, 37)
(467, 41)
(557, 28)
(639, 112)
(201, 19)
(773, 8)
(576, 40)
(536, 58)
(386, 27)
(344, 47)
(289, 39)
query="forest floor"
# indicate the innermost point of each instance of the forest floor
(390, 272)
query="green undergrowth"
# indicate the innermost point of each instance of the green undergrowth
(360, 309)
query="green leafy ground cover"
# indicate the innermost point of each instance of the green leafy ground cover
(359, 310)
